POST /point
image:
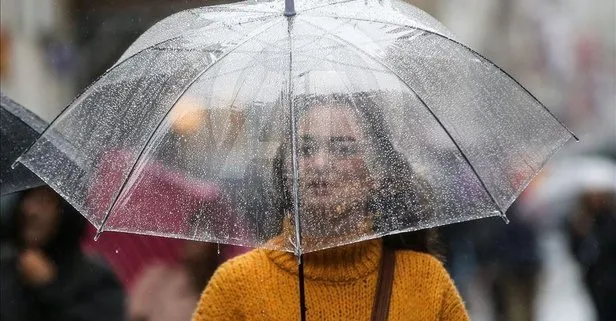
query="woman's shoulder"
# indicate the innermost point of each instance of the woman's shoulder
(421, 265)
(251, 258)
(426, 277)
(236, 285)
(418, 258)
(242, 267)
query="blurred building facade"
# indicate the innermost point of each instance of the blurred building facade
(29, 74)
(52, 49)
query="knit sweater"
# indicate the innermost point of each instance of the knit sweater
(340, 284)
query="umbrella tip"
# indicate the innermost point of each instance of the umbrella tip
(16, 162)
(98, 234)
(504, 217)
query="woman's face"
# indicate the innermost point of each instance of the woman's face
(334, 179)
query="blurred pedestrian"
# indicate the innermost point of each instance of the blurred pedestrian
(458, 247)
(48, 277)
(167, 292)
(510, 265)
(592, 235)
(8, 204)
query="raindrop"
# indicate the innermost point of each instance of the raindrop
(117, 251)
(218, 248)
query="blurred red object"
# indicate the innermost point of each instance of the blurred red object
(129, 254)
(5, 51)
(163, 200)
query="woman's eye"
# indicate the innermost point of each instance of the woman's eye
(307, 150)
(344, 149)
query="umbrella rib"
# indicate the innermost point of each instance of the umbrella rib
(295, 165)
(429, 110)
(473, 52)
(188, 86)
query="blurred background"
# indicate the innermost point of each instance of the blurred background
(551, 263)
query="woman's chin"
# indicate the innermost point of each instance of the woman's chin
(318, 206)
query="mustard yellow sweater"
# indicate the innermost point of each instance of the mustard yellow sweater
(340, 284)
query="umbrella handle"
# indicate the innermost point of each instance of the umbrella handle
(289, 8)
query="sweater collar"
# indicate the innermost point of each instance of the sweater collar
(339, 264)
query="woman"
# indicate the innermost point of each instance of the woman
(48, 277)
(352, 182)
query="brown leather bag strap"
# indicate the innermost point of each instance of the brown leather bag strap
(384, 284)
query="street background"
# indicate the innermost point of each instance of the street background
(562, 51)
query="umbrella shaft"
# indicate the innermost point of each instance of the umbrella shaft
(289, 8)
(302, 293)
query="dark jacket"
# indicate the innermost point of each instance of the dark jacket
(84, 288)
(511, 248)
(595, 251)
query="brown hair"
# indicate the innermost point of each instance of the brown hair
(402, 198)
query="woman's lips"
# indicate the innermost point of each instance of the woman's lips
(319, 187)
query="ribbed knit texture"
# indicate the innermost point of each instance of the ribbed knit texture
(340, 285)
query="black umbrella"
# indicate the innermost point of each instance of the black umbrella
(19, 128)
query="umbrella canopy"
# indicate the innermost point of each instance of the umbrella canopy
(346, 121)
(19, 128)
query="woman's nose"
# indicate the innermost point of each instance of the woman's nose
(320, 161)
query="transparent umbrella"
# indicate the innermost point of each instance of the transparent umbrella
(19, 128)
(340, 122)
